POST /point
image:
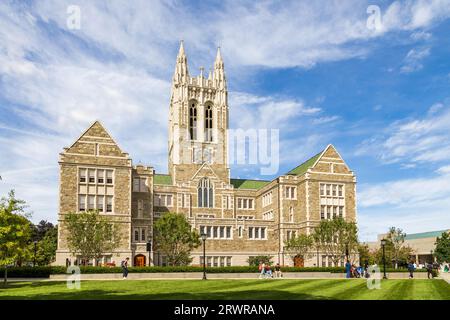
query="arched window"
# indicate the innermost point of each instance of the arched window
(208, 123)
(193, 121)
(205, 193)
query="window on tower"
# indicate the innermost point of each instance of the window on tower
(208, 123)
(205, 193)
(193, 121)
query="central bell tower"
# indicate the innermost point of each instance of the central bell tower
(198, 121)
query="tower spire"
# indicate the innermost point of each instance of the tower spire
(181, 73)
(219, 70)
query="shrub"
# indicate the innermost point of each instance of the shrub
(46, 271)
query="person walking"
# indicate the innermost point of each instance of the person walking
(411, 269)
(278, 273)
(124, 265)
(429, 270)
(348, 268)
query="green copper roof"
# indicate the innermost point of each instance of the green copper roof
(431, 234)
(162, 179)
(301, 169)
(248, 184)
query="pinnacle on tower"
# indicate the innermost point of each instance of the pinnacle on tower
(181, 73)
(219, 72)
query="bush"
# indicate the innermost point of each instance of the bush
(46, 271)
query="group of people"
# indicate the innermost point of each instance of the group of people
(265, 271)
(353, 271)
(432, 268)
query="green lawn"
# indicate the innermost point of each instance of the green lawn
(229, 289)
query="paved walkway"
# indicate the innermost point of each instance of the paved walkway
(199, 275)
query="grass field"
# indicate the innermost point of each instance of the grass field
(230, 289)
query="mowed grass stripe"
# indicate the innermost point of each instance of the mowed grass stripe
(231, 289)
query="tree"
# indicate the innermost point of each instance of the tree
(299, 246)
(396, 238)
(365, 255)
(40, 230)
(175, 239)
(46, 247)
(90, 235)
(442, 251)
(15, 231)
(256, 260)
(336, 238)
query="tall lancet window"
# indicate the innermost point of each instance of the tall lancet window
(193, 121)
(208, 124)
(205, 193)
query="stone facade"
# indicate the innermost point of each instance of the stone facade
(241, 217)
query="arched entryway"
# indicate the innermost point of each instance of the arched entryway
(299, 261)
(139, 260)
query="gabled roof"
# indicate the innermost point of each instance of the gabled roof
(301, 169)
(248, 183)
(164, 179)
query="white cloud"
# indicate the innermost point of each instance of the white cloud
(420, 140)
(413, 60)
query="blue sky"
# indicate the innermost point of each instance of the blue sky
(315, 71)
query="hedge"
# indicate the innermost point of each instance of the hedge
(45, 272)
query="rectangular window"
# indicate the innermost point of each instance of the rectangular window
(216, 261)
(91, 202)
(101, 176)
(228, 236)
(267, 199)
(290, 192)
(340, 190)
(109, 176)
(136, 235)
(143, 235)
(334, 190)
(335, 212)
(100, 200)
(257, 233)
(222, 232)
(222, 261)
(82, 202)
(82, 175)
(341, 211)
(109, 203)
(208, 261)
(322, 212)
(91, 173)
(208, 231)
(322, 190)
(214, 232)
(142, 185)
(228, 261)
(328, 189)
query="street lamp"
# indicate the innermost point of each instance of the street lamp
(383, 244)
(203, 236)
(35, 249)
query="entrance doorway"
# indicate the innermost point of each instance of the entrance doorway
(299, 261)
(139, 260)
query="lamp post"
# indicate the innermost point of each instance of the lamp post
(383, 244)
(203, 236)
(35, 249)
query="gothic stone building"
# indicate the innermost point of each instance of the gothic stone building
(241, 217)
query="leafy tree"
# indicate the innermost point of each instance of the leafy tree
(256, 260)
(335, 238)
(15, 231)
(90, 235)
(175, 239)
(299, 246)
(40, 230)
(365, 255)
(442, 251)
(396, 239)
(46, 247)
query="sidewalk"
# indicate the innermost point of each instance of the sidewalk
(199, 275)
